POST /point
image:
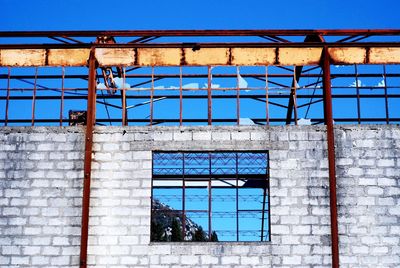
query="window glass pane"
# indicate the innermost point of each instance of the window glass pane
(210, 196)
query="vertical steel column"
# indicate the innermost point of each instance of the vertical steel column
(8, 96)
(151, 96)
(237, 196)
(34, 97)
(263, 212)
(183, 199)
(124, 110)
(180, 96)
(294, 93)
(331, 156)
(266, 96)
(237, 96)
(90, 121)
(386, 95)
(62, 96)
(358, 95)
(209, 198)
(209, 97)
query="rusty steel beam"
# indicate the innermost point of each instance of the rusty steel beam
(220, 75)
(91, 119)
(328, 117)
(200, 120)
(198, 46)
(144, 33)
(207, 54)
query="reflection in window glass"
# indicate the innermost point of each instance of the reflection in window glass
(210, 196)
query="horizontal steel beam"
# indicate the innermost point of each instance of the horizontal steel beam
(198, 120)
(202, 56)
(271, 96)
(163, 76)
(121, 33)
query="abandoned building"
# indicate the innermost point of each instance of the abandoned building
(231, 148)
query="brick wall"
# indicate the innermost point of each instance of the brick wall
(40, 196)
(41, 189)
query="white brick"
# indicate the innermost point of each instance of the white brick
(230, 260)
(221, 136)
(169, 259)
(163, 136)
(11, 250)
(129, 260)
(61, 260)
(250, 260)
(207, 259)
(291, 260)
(190, 260)
(240, 136)
(45, 147)
(182, 136)
(40, 260)
(110, 147)
(385, 163)
(201, 136)
(259, 136)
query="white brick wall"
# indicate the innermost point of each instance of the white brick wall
(41, 187)
(40, 197)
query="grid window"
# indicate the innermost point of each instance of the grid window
(210, 196)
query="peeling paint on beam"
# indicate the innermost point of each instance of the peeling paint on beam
(299, 56)
(23, 57)
(254, 56)
(198, 56)
(68, 57)
(384, 55)
(159, 56)
(115, 56)
(348, 55)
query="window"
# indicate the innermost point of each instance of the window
(210, 196)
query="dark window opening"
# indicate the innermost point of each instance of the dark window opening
(210, 196)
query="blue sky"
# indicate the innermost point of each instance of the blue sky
(206, 14)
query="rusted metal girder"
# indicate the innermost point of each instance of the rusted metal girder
(331, 157)
(91, 118)
(284, 54)
(148, 33)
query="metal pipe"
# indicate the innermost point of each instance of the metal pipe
(294, 93)
(266, 96)
(124, 110)
(183, 198)
(209, 97)
(305, 96)
(142, 33)
(8, 96)
(220, 75)
(209, 198)
(90, 121)
(34, 97)
(386, 95)
(263, 213)
(358, 94)
(237, 196)
(180, 96)
(151, 95)
(331, 157)
(238, 95)
(62, 96)
(364, 45)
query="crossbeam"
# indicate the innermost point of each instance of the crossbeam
(202, 56)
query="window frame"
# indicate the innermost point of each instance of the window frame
(264, 179)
